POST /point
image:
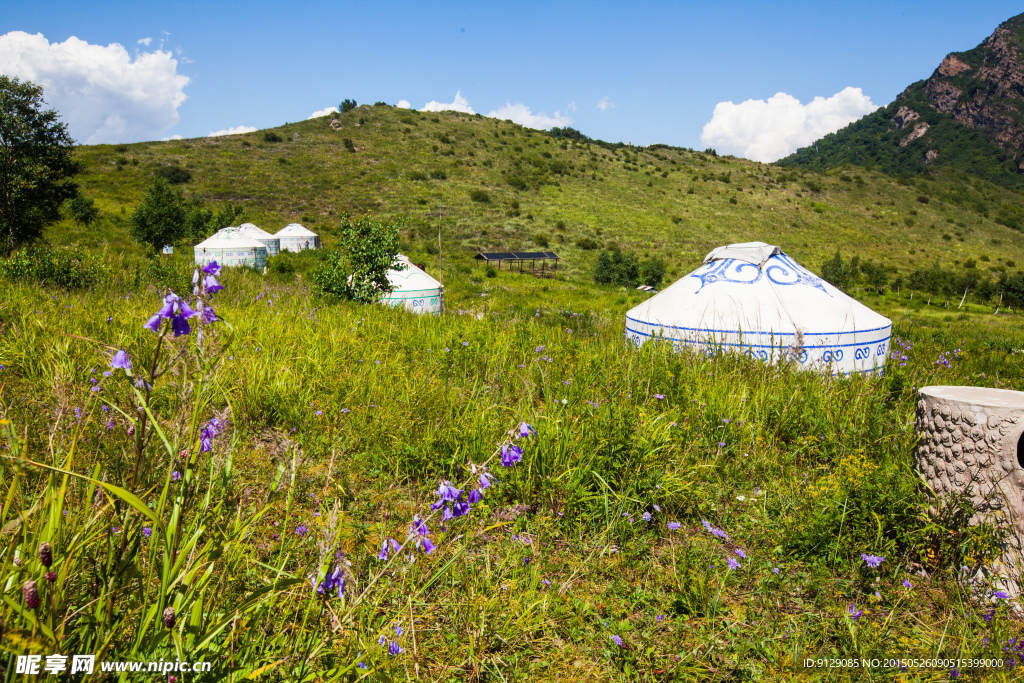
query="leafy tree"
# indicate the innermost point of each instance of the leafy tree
(167, 216)
(652, 272)
(36, 163)
(616, 267)
(347, 105)
(359, 269)
(875, 275)
(83, 210)
(839, 274)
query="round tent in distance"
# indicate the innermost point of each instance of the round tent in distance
(294, 237)
(752, 298)
(273, 244)
(413, 289)
(230, 247)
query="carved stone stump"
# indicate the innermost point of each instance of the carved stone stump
(973, 438)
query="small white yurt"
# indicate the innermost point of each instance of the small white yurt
(294, 237)
(414, 290)
(754, 299)
(272, 243)
(230, 247)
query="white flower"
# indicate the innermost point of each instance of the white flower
(564, 401)
(741, 498)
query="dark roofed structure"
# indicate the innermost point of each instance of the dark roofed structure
(519, 257)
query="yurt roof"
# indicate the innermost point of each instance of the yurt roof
(254, 231)
(753, 288)
(230, 238)
(411, 279)
(294, 230)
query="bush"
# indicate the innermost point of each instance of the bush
(652, 272)
(489, 271)
(349, 145)
(347, 106)
(480, 196)
(438, 174)
(587, 244)
(271, 136)
(174, 174)
(839, 274)
(541, 240)
(282, 266)
(416, 175)
(41, 264)
(83, 210)
(616, 267)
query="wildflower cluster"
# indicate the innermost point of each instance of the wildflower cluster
(899, 350)
(946, 359)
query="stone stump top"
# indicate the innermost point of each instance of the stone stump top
(982, 397)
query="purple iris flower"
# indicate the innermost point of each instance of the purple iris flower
(510, 454)
(524, 430)
(121, 361)
(389, 545)
(872, 560)
(177, 311)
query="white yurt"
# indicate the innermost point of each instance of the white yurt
(414, 290)
(272, 243)
(230, 247)
(294, 237)
(755, 299)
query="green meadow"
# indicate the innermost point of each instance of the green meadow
(674, 517)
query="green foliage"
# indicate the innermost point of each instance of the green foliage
(587, 244)
(839, 274)
(614, 267)
(173, 174)
(67, 268)
(83, 210)
(481, 196)
(541, 240)
(349, 145)
(358, 270)
(36, 164)
(347, 106)
(271, 136)
(652, 272)
(489, 271)
(166, 217)
(875, 275)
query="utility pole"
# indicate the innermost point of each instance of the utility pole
(440, 209)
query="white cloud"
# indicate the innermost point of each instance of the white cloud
(459, 104)
(403, 104)
(768, 131)
(104, 94)
(145, 41)
(521, 114)
(571, 106)
(173, 137)
(237, 130)
(605, 104)
(322, 112)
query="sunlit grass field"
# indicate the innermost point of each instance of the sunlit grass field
(674, 517)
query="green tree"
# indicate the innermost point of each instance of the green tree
(347, 105)
(615, 267)
(83, 210)
(36, 163)
(167, 216)
(359, 269)
(652, 272)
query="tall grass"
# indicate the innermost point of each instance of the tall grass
(343, 419)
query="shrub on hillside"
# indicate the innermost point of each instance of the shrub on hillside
(83, 210)
(347, 106)
(587, 243)
(541, 240)
(480, 196)
(271, 136)
(416, 175)
(41, 264)
(349, 145)
(615, 267)
(174, 174)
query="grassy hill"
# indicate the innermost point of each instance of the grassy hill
(508, 187)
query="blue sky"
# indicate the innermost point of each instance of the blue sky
(663, 66)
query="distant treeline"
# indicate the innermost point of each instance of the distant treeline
(980, 284)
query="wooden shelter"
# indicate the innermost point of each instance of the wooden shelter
(520, 257)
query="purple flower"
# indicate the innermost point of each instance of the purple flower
(394, 649)
(1001, 595)
(177, 311)
(647, 516)
(121, 361)
(486, 478)
(175, 475)
(739, 551)
(212, 268)
(855, 613)
(776, 570)
(707, 525)
(672, 526)
(872, 560)
(208, 315)
(447, 493)
(733, 563)
(510, 455)
(459, 508)
(524, 430)
(907, 584)
(301, 530)
(720, 534)
(333, 582)
(475, 496)
(147, 532)
(656, 508)
(210, 285)
(660, 397)
(617, 640)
